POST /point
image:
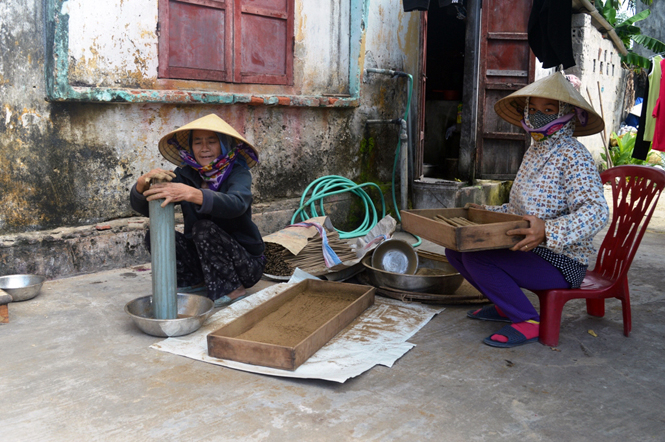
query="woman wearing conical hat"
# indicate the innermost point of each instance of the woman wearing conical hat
(221, 247)
(558, 190)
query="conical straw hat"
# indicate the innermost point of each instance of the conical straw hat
(179, 138)
(556, 87)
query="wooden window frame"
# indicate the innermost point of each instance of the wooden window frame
(234, 11)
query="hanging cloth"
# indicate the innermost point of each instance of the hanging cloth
(659, 114)
(550, 34)
(655, 75)
(641, 148)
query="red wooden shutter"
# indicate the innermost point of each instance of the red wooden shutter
(506, 64)
(196, 40)
(264, 41)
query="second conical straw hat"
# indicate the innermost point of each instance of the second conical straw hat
(556, 87)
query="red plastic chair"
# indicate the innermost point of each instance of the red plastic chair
(635, 192)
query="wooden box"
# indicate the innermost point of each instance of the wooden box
(289, 328)
(489, 233)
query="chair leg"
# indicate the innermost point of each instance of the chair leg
(595, 307)
(625, 308)
(4, 314)
(550, 321)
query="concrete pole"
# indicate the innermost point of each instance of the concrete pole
(162, 255)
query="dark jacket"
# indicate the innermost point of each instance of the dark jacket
(230, 207)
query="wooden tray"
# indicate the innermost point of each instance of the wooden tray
(289, 328)
(490, 233)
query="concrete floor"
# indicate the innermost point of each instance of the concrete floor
(73, 367)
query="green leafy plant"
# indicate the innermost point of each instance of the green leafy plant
(622, 153)
(626, 30)
(634, 60)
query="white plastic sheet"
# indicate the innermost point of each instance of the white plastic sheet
(378, 336)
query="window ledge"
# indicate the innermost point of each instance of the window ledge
(121, 95)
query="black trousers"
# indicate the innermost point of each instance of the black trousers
(214, 257)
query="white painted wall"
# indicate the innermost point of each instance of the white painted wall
(598, 62)
(112, 39)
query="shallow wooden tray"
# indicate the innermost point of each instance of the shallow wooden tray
(234, 341)
(490, 233)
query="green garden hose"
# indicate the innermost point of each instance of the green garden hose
(333, 185)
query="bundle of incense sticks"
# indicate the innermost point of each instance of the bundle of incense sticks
(275, 260)
(454, 222)
(311, 256)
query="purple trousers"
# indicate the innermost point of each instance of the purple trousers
(499, 274)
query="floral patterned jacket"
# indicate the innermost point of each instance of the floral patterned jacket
(558, 182)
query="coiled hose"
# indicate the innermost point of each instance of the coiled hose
(334, 184)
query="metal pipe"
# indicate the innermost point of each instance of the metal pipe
(390, 72)
(404, 165)
(162, 255)
(466, 166)
(395, 121)
(403, 158)
(403, 139)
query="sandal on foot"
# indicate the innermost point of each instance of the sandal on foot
(515, 338)
(226, 301)
(487, 313)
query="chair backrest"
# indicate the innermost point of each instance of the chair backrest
(635, 192)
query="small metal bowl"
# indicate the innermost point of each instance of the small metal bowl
(22, 287)
(193, 311)
(395, 256)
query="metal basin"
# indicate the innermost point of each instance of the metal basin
(193, 311)
(395, 256)
(435, 277)
(22, 287)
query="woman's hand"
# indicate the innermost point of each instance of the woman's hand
(174, 193)
(144, 181)
(473, 206)
(533, 236)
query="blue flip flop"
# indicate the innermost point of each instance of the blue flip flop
(515, 338)
(487, 313)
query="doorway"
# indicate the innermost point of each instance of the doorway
(444, 65)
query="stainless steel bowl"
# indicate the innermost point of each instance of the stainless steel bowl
(395, 256)
(22, 287)
(433, 276)
(193, 311)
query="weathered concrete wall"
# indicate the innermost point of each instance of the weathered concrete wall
(115, 44)
(598, 62)
(70, 163)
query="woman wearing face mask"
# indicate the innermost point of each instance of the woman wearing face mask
(559, 191)
(221, 248)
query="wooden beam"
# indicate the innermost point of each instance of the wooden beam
(466, 165)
